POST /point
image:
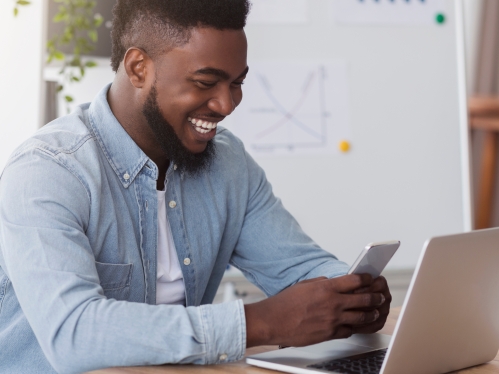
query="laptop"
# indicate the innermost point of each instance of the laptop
(449, 319)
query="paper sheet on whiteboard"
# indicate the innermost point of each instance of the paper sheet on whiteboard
(279, 12)
(386, 12)
(294, 108)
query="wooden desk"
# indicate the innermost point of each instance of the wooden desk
(241, 367)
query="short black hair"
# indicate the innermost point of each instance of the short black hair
(157, 26)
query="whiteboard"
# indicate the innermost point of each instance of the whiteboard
(401, 106)
(406, 176)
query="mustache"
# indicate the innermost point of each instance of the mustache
(213, 115)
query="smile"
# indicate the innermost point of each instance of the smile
(201, 126)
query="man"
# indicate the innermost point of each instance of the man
(118, 221)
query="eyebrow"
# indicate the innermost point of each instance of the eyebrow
(219, 73)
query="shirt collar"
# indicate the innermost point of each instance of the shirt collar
(123, 154)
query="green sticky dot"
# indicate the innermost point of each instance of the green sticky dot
(440, 18)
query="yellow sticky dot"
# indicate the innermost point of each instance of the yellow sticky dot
(344, 146)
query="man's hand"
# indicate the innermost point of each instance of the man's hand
(317, 310)
(378, 286)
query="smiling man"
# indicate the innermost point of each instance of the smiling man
(117, 221)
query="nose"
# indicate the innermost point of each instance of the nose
(223, 102)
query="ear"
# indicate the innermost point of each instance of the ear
(137, 65)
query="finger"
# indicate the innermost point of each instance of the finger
(355, 318)
(363, 301)
(362, 290)
(379, 285)
(351, 282)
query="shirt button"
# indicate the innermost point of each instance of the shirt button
(172, 204)
(187, 261)
(175, 167)
(223, 357)
(126, 176)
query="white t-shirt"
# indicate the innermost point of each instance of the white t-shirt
(170, 288)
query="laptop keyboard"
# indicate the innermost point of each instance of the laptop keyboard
(365, 363)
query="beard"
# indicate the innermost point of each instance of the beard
(175, 151)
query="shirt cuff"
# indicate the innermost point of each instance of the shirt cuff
(329, 269)
(224, 326)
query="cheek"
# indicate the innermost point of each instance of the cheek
(176, 109)
(237, 97)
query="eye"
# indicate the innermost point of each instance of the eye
(238, 84)
(206, 84)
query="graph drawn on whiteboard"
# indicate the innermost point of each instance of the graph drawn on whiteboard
(294, 108)
(389, 12)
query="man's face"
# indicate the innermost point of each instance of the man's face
(199, 84)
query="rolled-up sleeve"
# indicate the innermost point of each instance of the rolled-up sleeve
(273, 251)
(219, 323)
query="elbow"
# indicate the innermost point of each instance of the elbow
(67, 361)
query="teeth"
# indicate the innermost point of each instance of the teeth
(201, 130)
(202, 126)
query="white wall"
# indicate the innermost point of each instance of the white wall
(20, 74)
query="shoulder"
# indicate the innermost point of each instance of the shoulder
(226, 141)
(229, 148)
(232, 162)
(64, 147)
(231, 155)
(63, 136)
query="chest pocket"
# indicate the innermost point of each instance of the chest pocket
(115, 279)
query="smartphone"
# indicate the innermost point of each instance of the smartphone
(373, 259)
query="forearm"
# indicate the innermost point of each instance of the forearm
(105, 333)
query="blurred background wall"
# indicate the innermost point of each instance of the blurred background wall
(27, 94)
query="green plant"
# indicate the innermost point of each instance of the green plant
(80, 33)
(18, 4)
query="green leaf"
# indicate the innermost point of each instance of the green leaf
(23, 2)
(60, 87)
(92, 34)
(16, 12)
(90, 64)
(59, 17)
(68, 98)
(58, 55)
(75, 79)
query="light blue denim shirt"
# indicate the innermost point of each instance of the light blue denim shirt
(78, 233)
